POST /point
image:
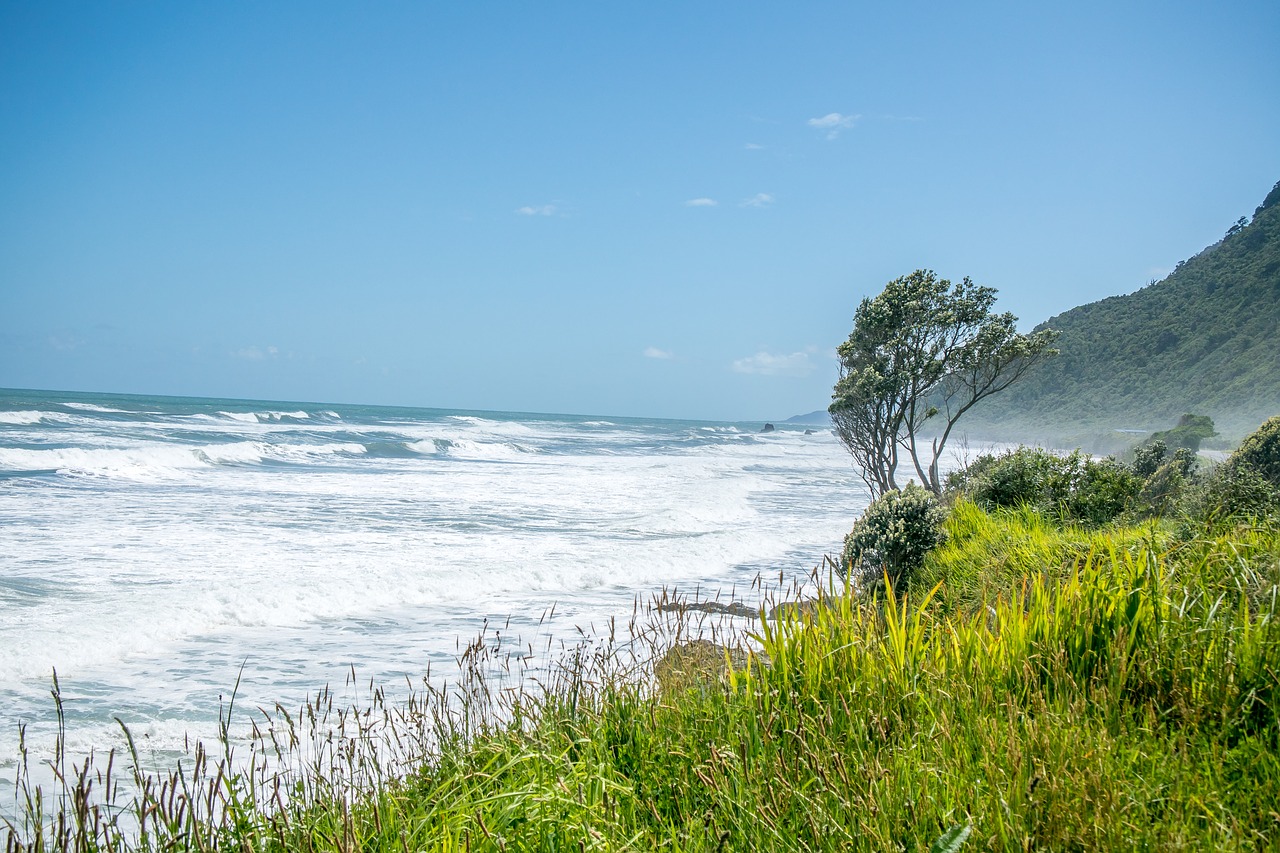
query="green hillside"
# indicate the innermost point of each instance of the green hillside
(1206, 339)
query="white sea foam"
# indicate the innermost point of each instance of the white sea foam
(311, 452)
(32, 418)
(22, 418)
(158, 565)
(242, 417)
(268, 417)
(138, 463)
(90, 407)
(482, 451)
(234, 453)
(427, 446)
(491, 427)
(248, 452)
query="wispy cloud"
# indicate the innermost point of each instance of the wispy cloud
(654, 352)
(65, 342)
(767, 364)
(537, 210)
(254, 353)
(754, 146)
(757, 200)
(833, 123)
(701, 202)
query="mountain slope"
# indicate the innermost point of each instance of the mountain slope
(1206, 339)
(820, 417)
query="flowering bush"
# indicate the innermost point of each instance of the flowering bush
(894, 534)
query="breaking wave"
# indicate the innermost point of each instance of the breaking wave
(22, 418)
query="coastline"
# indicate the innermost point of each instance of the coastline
(173, 546)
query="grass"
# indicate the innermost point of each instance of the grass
(1036, 687)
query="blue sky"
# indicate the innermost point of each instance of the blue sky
(658, 209)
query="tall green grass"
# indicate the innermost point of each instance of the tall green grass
(987, 554)
(1052, 689)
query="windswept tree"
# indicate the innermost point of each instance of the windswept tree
(920, 355)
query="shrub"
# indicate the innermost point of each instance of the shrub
(1260, 452)
(1163, 489)
(1097, 490)
(894, 534)
(1247, 485)
(1190, 431)
(1074, 487)
(960, 481)
(1024, 476)
(1234, 492)
(1149, 457)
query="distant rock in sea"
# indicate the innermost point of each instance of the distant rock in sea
(768, 428)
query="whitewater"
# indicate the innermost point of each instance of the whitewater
(155, 550)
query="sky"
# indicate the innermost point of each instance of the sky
(648, 209)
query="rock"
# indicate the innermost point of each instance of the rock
(768, 428)
(808, 432)
(699, 665)
(800, 608)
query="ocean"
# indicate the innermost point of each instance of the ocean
(156, 550)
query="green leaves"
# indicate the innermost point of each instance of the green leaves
(923, 349)
(1201, 340)
(951, 840)
(895, 533)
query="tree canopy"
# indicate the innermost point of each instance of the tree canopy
(920, 355)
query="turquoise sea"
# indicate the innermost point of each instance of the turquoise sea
(155, 549)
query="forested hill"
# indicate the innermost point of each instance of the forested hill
(1206, 339)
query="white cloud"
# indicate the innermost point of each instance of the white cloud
(753, 146)
(254, 353)
(833, 123)
(767, 364)
(537, 210)
(701, 202)
(654, 352)
(757, 200)
(65, 342)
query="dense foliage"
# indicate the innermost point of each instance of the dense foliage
(1201, 340)
(1190, 431)
(1260, 452)
(922, 353)
(1077, 489)
(1247, 485)
(891, 538)
(1073, 487)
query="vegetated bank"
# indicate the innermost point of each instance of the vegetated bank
(1203, 340)
(1087, 658)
